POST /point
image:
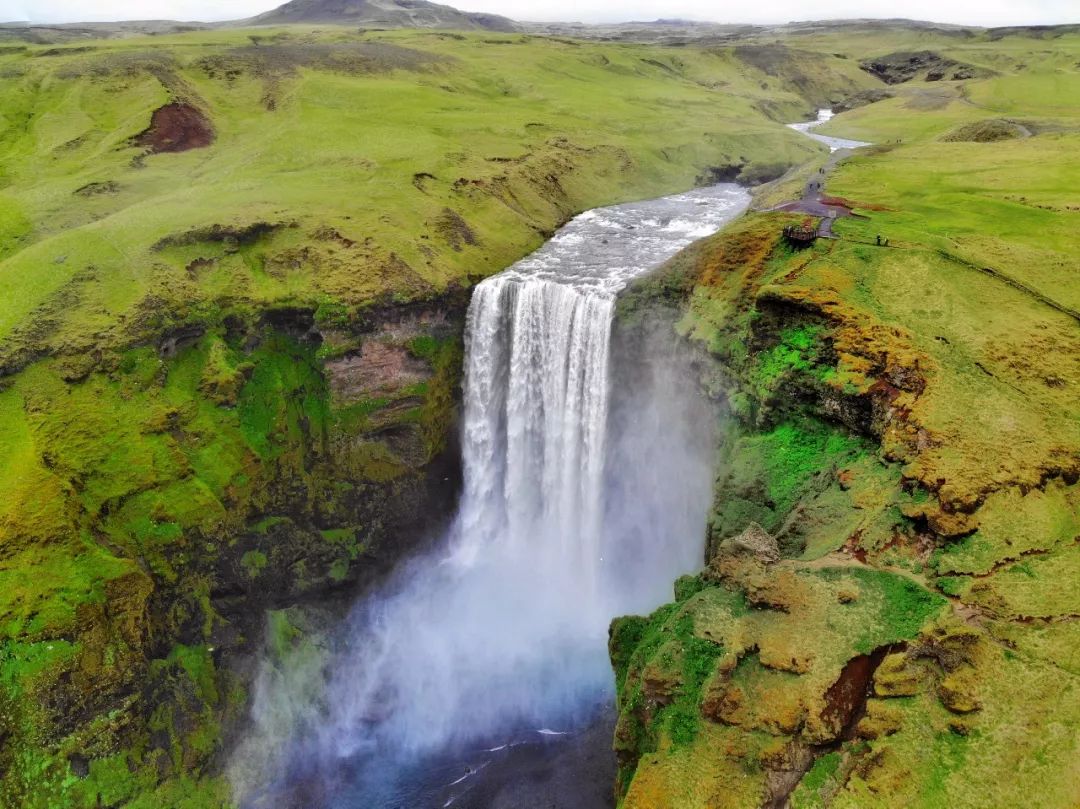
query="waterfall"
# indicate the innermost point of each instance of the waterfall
(535, 424)
(568, 517)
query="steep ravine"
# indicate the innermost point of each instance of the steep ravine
(586, 484)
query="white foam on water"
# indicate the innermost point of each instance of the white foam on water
(834, 144)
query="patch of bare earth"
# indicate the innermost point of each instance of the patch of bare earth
(176, 127)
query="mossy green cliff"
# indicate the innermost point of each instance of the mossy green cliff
(888, 613)
(167, 500)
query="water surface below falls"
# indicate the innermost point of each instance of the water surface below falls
(478, 676)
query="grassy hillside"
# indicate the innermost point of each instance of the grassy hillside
(234, 267)
(384, 139)
(901, 628)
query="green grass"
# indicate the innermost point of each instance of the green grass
(903, 606)
(1007, 205)
(793, 353)
(961, 342)
(808, 794)
(791, 462)
(339, 154)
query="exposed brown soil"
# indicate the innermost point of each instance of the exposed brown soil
(851, 204)
(454, 230)
(991, 130)
(846, 698)
(176, 127)
(225, 234)
(96, 189)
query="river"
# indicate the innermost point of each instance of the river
(834, 144)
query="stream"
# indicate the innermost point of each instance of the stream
(834, 144)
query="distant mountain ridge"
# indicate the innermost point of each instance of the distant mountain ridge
(423, 14)
(383, 13)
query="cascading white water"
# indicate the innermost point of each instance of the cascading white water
(535, 424)
(506, 628)
(834, 144)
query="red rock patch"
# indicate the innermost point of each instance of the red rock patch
(176, 127)
(380, 369)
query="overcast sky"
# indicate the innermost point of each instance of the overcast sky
(972, 12)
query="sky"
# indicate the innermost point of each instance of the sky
(971, 12)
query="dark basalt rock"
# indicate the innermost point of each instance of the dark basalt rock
(903, 66)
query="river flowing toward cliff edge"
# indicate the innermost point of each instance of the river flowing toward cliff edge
(586, 490)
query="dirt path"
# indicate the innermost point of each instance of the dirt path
(813, 197)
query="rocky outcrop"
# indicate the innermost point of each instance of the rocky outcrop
(755, 542)
(861, 99)
(903, 66)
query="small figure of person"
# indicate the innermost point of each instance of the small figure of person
(879, 240)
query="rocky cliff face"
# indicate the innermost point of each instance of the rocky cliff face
(284, 459)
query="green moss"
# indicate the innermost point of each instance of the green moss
(438, 411)
(282, 633)
(199, 667)
(698, 659)
(688, 586)
(795, 352)
(425, 346)
(267, 523)
(285, 398)
(809, 793)
(952, 585)
(624, 638)
(777, 468)
(903, 606)
(339, 569)
(254, 562)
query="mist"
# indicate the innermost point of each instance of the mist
(587, 483)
